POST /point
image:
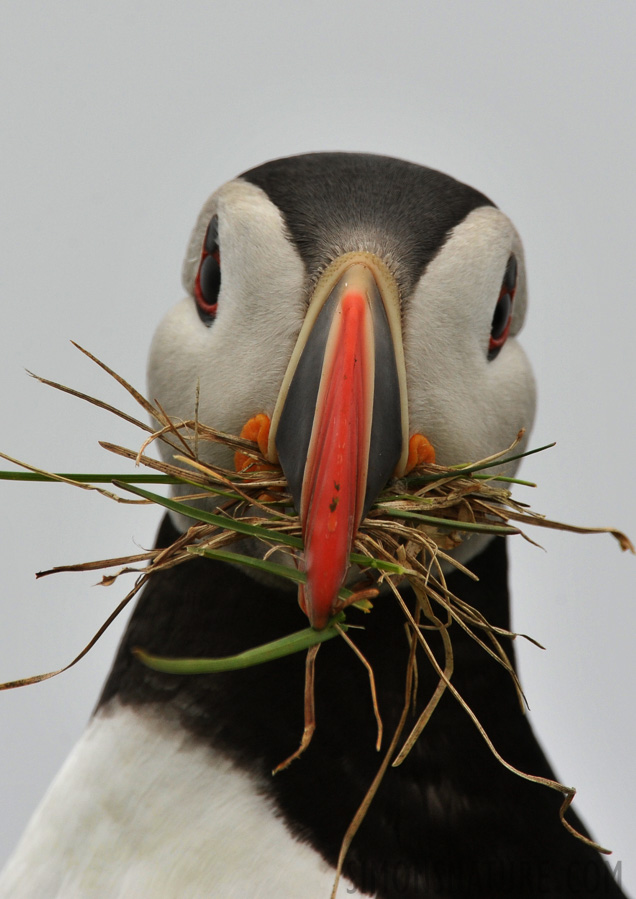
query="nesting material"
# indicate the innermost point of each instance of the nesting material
(408, 536)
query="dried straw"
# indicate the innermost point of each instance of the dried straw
(408, 536)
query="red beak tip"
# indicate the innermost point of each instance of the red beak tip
(318, 613)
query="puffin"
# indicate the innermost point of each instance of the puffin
(350, 308)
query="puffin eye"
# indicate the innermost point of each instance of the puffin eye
(208, 280)
(503, 310)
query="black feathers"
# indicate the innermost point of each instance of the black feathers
(336, 203)
(451, 821)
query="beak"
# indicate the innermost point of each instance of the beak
(340, 426)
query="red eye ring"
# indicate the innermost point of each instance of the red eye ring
(207, 283)
(502, 317)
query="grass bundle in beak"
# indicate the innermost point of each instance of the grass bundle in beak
(407, 537)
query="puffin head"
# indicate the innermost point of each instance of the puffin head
(356, 308)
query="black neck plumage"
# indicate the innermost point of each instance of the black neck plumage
(450, 821)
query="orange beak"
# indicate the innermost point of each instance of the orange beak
(340, 428)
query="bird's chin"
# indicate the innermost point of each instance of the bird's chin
(469, 547)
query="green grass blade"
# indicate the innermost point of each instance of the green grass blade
(221, 521)
(461, 470)
(368, 562)
(292, 574)
(276, 649)
(469, 469)
(250, 530)
(450, 524)
(499, 477)
(90, 478)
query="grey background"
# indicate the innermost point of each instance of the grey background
(118, 120)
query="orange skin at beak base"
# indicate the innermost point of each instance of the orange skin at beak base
(344, 374)
(421, 452)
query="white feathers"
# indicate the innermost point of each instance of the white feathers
(142, 809)
(240, 361)
(468, 407)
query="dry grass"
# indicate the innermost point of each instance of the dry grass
(408, 536)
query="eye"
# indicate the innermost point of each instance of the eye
(208, 280)
(503, 310)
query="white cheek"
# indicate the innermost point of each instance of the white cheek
(467, 406)
(503, 403)
(236, 365)
(176, 360)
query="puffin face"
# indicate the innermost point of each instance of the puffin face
(356, 301)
